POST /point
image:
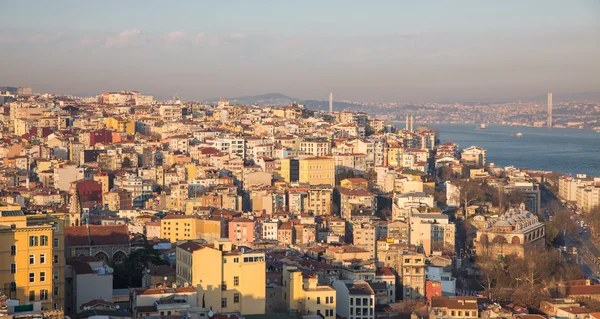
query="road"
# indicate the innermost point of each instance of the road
(587, 252)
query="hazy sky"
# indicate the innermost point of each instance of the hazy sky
(360, 50)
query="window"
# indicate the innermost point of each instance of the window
(55, 292)
(42, 276)
(236, 298)
(31, 277)
(55, 275)
(13, 286)
(42, 258)
(55, 259)
(13, 268)
(43, 240)
(31, 295)
(318, 300)
(223, 286)
(351, 301)
(33, 241)
(43, 294)
(56, 227)
(55, 244)
(236, 281)
(31, 259)
(236, 260)
(223, 302)
(13, 250)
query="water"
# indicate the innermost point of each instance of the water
(568, 151)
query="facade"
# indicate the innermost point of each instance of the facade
(187, 227)
(311, 170)
(27, 259)
(516, 231)
(229, 279)
(453, 308)
(305, 295)
(355, 299)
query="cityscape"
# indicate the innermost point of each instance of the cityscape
(126, 204)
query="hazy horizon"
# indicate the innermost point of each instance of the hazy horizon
(383, 51)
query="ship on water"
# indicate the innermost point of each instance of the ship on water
(519, 134)
(481, 126)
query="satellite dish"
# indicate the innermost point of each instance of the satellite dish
(211, 313)
(186, 284)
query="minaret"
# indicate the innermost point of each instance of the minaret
(407, 122)
(330, 102)
(549, 109)
(412, 119)
(75, 206)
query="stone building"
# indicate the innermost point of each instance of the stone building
(515, 232)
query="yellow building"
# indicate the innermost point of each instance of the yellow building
(305, 295)
(227, 279)
(120, 125)
(188, 227)
(312, 170)
(319, 199)
(26, 259)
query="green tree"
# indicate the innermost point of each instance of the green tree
(126, 162)
(138, 261)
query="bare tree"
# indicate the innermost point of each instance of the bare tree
(469, 191)
(405, 308)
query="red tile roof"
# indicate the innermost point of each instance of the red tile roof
(96, 235)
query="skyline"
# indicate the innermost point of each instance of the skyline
(362, 52)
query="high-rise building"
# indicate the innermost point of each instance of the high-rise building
(549, 109)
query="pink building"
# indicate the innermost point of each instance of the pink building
(241, 231)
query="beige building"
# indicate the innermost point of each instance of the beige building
(432, 231)
(188, 227)
(227, 279)
(312, 170)
(453, 307)
(365, 237)
(315, 146)
(304, 294)
(516, 231)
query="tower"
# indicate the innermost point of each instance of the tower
(330, 102)
(75, 208)
(549, 109)
(407, 122)
(412, 119)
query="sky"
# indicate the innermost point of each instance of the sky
(396, 51)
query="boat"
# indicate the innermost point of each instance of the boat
(481, 126)
(519, 134)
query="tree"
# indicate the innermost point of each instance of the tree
(445, 173)
(405, 308)
(563, 222)
(551, 234)
(138, 261)
(126, 163)
(469, 191)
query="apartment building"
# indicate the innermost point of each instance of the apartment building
(187, 227)
(301, 292)
(355, 299)
(27, 259)
(229, 279)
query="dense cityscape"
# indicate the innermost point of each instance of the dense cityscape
(122, 206)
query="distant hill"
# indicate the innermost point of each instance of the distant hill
(278, 99)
